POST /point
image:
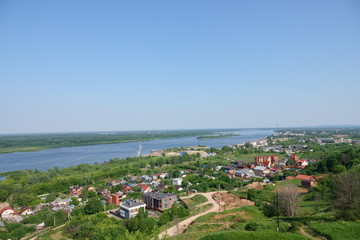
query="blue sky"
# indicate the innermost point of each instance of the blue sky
(133, 65)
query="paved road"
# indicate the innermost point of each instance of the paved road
(181, 226)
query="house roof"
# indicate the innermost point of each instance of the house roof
(159, 195)
(143, 186)
(5, 209)
(22, 209)
(304, 177)
(132, 203)
(259, 168)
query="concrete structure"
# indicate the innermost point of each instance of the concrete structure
(116, 198)
(159, 201)
(130, 208)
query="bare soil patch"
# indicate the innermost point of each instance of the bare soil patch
(4, 204)
(231, 201)
(256, 185)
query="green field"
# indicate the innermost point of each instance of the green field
(337, 230)
(246, 235)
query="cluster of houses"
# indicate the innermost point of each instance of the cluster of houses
(151, 192)
(10, 215)
(263, 166)
(156, 201)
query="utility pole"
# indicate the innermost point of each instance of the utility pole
(277, 210)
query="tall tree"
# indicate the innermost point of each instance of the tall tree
(287, 199)
(347, 196)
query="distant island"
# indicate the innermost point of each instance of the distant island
(217, 136)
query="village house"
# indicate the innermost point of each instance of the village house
(267, 158)
(59, 203)
(294, 157)
(160, 187)
(162, 175)
(259, 159)
(177, 181)
(39, 207)
(250, 165)
(146, 178)
(159, 201)
(306, 180)
(261, 171)
(104, 193)
(114, 183)
(26, 211)
(76, 190)
(144, 188)
(274, 159)
(130, 208)
(40, 226)
(126, 188)
(245, 173)
(116, 198)
(7, 213)
(229, 169)
(267, 164)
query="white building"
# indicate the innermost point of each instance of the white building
(130, 208)
(177, 181)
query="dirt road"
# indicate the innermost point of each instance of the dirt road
(181, 226)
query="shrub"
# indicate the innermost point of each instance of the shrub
(251, 226)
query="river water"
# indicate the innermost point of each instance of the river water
(72, 156)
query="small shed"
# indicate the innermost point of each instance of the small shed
(40, 226)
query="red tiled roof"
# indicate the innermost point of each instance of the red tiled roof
(304, 177)
(4, 209)
(143, 186)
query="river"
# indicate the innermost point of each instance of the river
(72, 156)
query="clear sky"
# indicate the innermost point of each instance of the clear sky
(135, 65)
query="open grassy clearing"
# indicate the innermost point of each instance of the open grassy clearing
(246, 235)
(337, 230)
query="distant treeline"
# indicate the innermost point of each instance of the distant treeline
(218, 136)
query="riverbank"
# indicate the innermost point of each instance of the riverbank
(38, 142)
(91, 154)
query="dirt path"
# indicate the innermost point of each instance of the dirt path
(44, 232)
(181, 226)
(303, 231)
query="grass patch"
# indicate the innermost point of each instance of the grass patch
(245, 235)
(196, 200)
(199, 199)
(337, 230)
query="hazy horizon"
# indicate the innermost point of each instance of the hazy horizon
(80, 66)
(187, 129)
